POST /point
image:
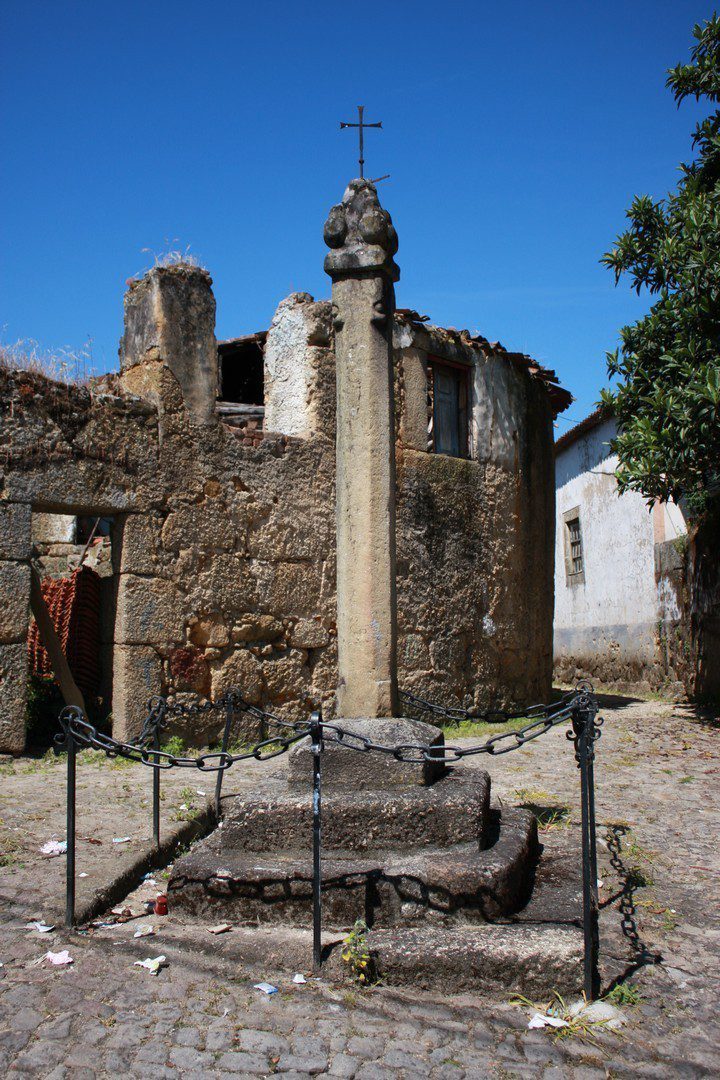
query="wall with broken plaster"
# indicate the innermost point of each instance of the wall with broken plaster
(614, 623)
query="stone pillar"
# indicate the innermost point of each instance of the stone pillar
(15, 546)
(363, 241)
(170, 326)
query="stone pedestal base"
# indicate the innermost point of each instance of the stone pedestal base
(351, 769)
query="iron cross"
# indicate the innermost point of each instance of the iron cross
(361, 127)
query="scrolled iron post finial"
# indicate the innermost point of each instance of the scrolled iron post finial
(67, 718)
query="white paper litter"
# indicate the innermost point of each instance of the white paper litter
(152, 964)
(54, 847)
(199, 792)
(299, 978)
(41, 927)
(539, 1020)
(223, 873)
(59, 959)
(182, 806)
(144, 931)
(221, 928)
(121, 839)
(599, 1012)
(267, 988)
(82, 875)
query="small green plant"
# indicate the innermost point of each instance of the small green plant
(638, 878)
(474, 729)
(175, 745)
(186, 810)
(624, 994)
(549, 815)
(356, 954)
(9, 848)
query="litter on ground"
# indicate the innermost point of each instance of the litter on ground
(41, 927)
(540, 1020)
(152, 964)
(121, 839)
(221, 928)
(266, 988)
(54, 847)
(144, 931)
(299, 979)
(59, 959)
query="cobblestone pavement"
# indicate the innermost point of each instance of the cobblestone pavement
(657, 776)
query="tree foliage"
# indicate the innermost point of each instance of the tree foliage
(667, 400)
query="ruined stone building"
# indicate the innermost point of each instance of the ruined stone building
(212, 468)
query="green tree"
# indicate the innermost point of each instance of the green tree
(667, 398)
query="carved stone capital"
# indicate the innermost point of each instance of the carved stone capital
(360, 235)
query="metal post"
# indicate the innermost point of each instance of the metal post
(70, 832)
(229, 713)
(156, 793)
(584, 737)
(316, 737)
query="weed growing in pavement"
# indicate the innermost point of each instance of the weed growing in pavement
(638, 878)
(356, 954)
(549, 815)
(10, 846)
(625, 993)
(175, 745)
(472, 729)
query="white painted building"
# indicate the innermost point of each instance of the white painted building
(618, 569)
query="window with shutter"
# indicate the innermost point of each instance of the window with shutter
(574, 556)
(450, 409)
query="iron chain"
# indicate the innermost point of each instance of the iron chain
(543, 719)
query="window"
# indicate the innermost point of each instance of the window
(241, 370)
(450, 409)
(574, 558)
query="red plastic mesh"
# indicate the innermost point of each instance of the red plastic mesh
(74, 606)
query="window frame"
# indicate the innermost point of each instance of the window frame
(435, 362)
(572, 576)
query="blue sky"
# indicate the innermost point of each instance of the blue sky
(515, 135)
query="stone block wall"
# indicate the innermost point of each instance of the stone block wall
(15, 544)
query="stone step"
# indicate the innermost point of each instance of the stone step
(528, 959)
(275, 817)
(442, 886)
(525, 958)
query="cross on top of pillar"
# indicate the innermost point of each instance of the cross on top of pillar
(361, 125)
